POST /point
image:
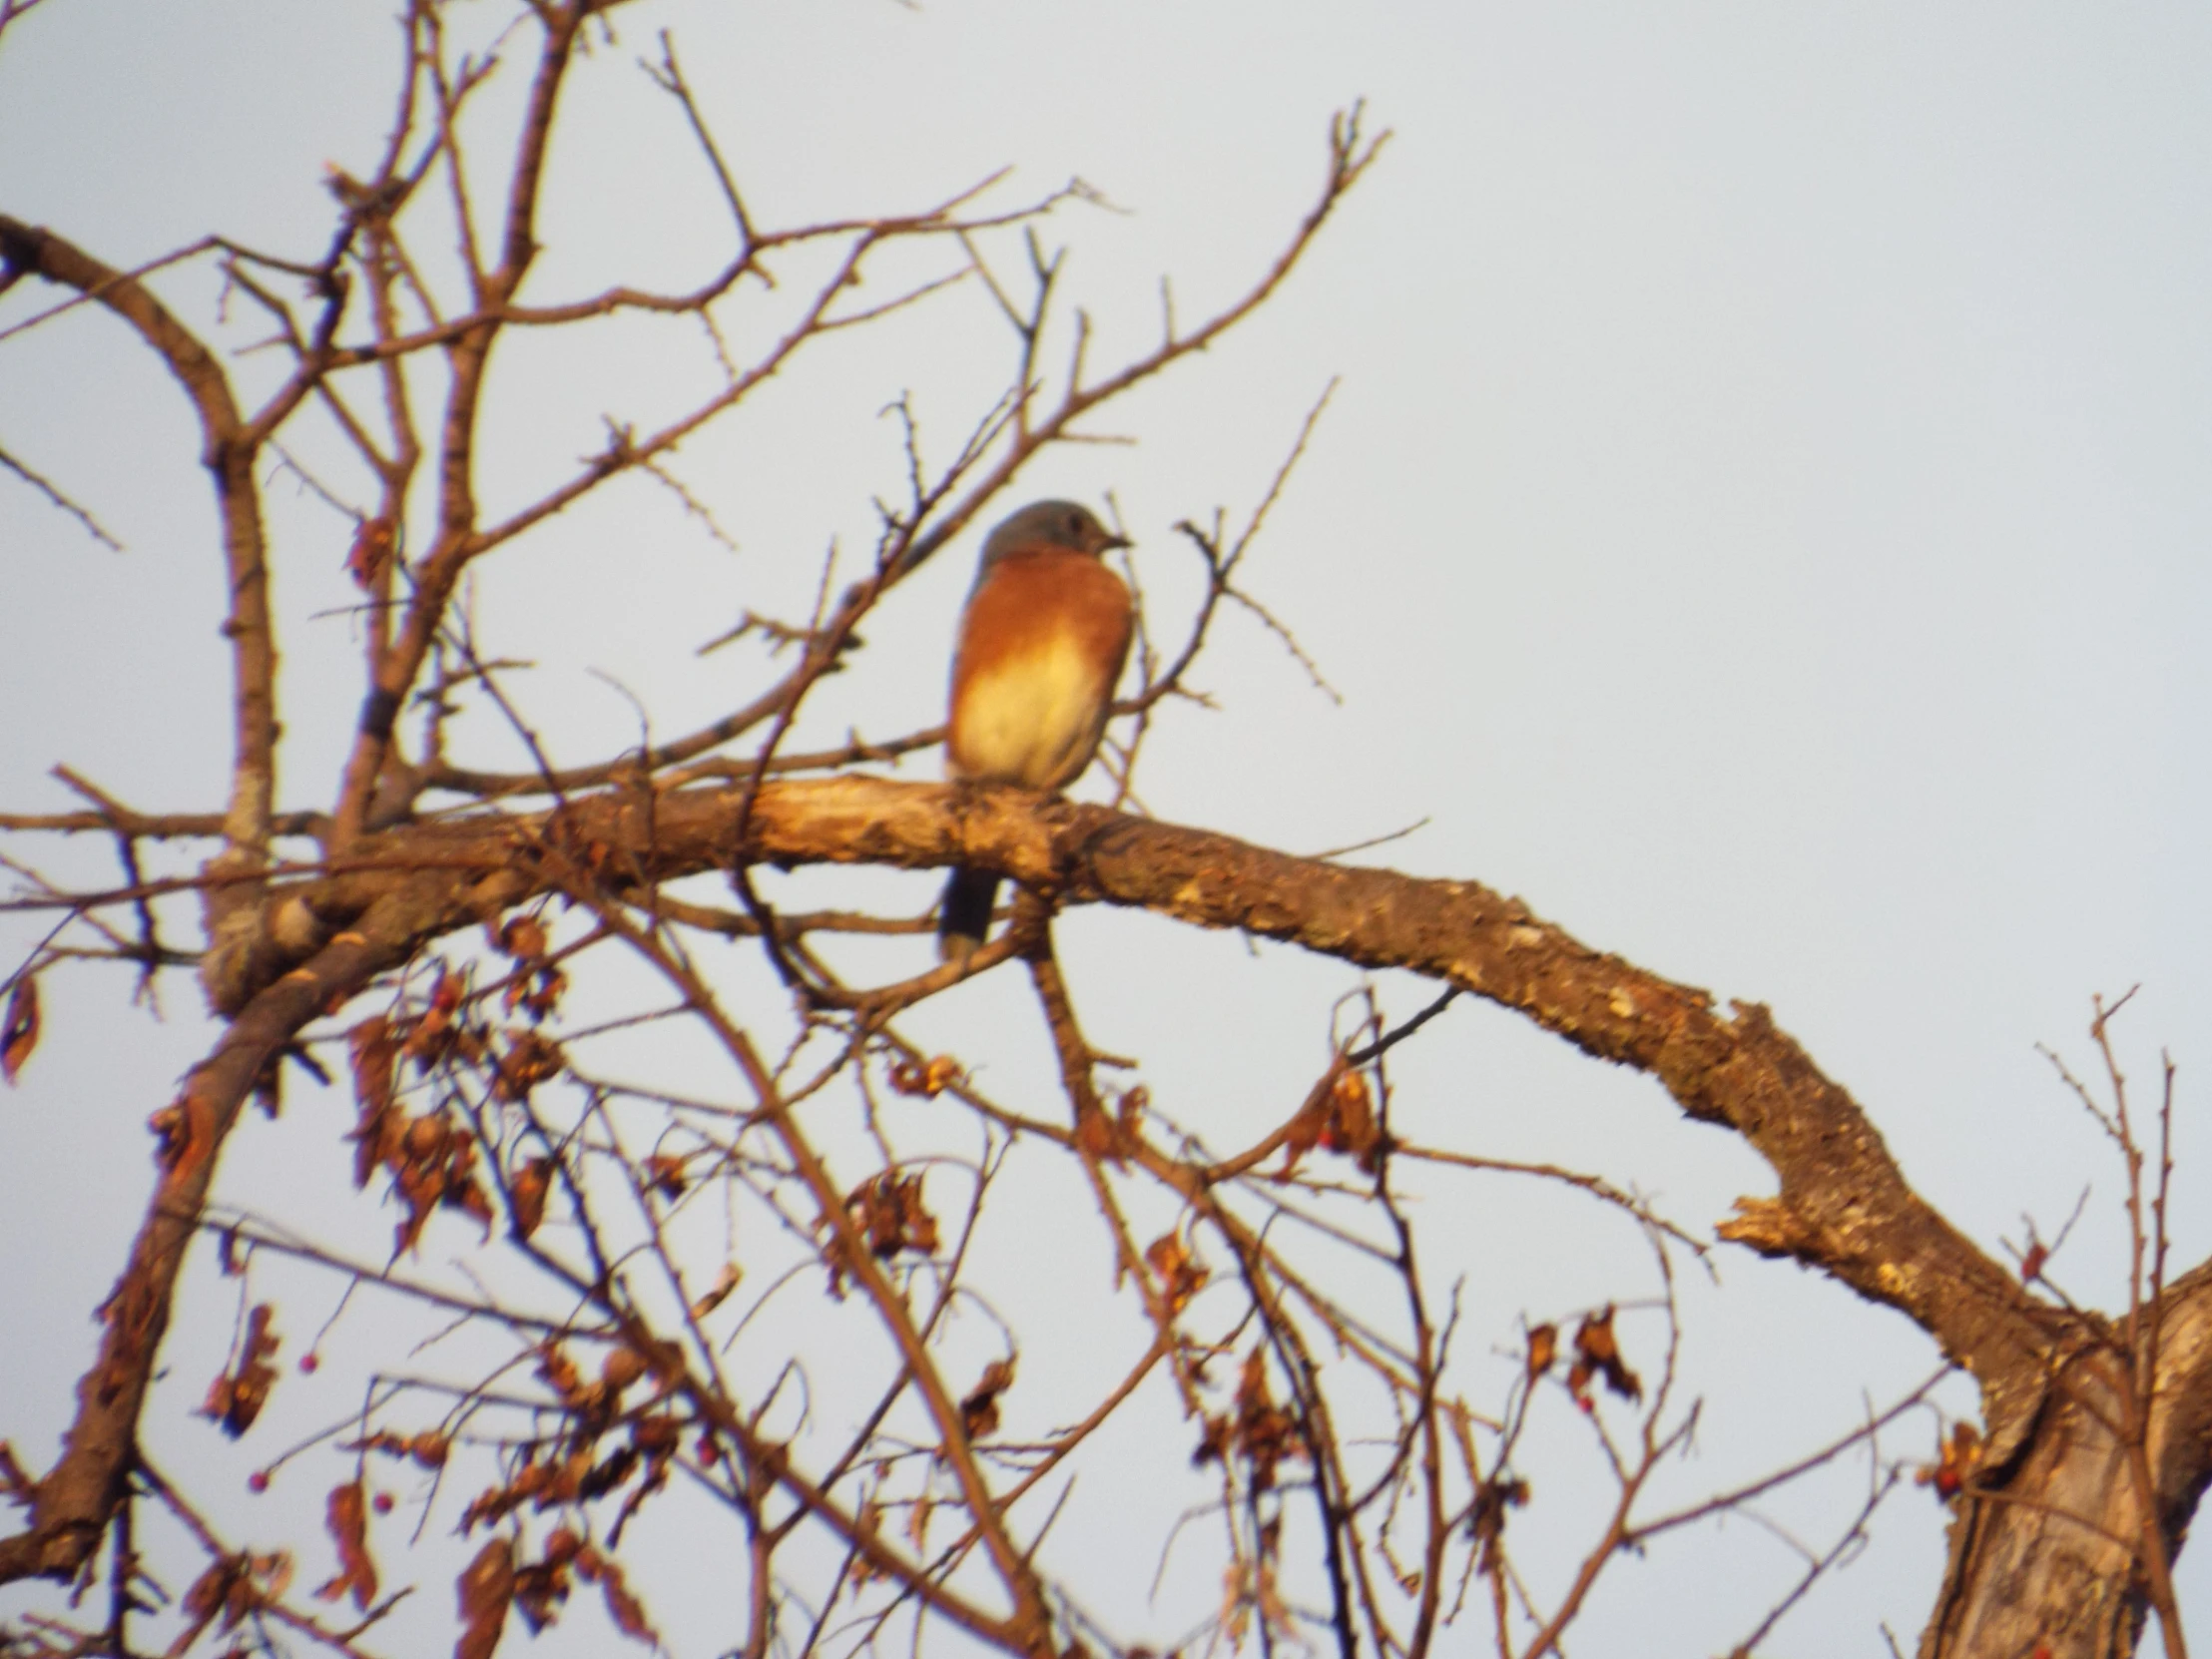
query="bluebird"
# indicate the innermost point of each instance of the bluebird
(1042, 641)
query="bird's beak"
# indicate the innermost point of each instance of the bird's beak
(1115, 542)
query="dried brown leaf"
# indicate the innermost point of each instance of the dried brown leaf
(236, 1397)
(484, 1590)
(890, 1213)
(217, 1590)
(1094, 1136)
(19, 1030)
(345, 1517)
(1597, 1351)
(979, 1411)
(927, 1078)
(522, 937)
(541, 1586)
(380, 1129)
(226, 1252)
(532, 1058)
(527, 1194)
(375, 1056)
(1351, 1127)
(370, 553)
(664, 1172)
(726, 1281)
(918, 1227)
(620, 1368)
(429, 1448)
(622, 1607)
(560, 1373)
(536, 994)
(1487, 1524)
(1179, 1272)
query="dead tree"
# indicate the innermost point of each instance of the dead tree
(437, 933)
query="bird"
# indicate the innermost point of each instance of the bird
(1041, 643)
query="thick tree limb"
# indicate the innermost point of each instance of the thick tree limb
(1842, 1205)
(227, 451)
(2049, 1558)
(77, 1498)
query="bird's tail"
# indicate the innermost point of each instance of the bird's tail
(965, 915)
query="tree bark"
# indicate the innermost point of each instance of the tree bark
(2046, 1549)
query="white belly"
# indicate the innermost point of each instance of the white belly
(1031, 720)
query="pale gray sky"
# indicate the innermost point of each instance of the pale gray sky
(1762, 523)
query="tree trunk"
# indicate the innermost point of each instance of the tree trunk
(2046, 1556)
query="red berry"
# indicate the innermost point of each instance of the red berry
(382, 1503)
(257, 1481)
(308, 1362)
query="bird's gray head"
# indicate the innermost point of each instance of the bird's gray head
(1055, 524)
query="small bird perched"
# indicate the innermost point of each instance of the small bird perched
(1042, 641)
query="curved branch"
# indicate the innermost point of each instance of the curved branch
(1842, 1205)
(227, 449)
(75, 1502)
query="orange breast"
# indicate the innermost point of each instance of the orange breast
(1042, 643)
